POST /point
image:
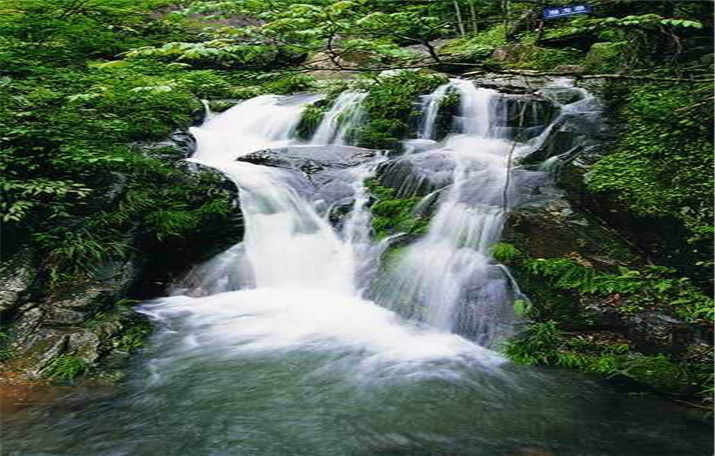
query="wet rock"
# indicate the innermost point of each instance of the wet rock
(570, 69)
(184, 142)
(562, 95)
(39, 351)
(511, 84)
(17, 276)
(59, 316)
(417, 174)
(116, 188)
(551, 227)
(526, 111)
(316, 162)
(57, 322)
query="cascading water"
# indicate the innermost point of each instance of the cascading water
(296, 266)
(447, 279)
(340, 120)
(430, 109)
(271, 349)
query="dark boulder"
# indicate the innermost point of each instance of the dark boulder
(318, 163)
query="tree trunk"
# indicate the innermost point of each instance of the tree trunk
(505, 12)
(460, 23)
(473, 12)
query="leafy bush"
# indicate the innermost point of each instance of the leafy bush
(504, 252)
(544, 343)
(395, 215)
(391, 107)
(66, 367)
(477, 47)
(650, 287)
(662, 165)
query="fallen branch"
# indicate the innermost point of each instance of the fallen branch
(577, 75)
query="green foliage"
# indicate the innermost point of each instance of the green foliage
(476, 47)
(544, 343)
(533, 57)
(309, 122)
(648, 21)
(6, 351)
(630, 290)
(607, 57)
(66, 367)
(522, 307)
(662, 165)
(71, 184)
(505, 252)
(284, 32)
(78, 252)
(391, 107)
(395, 215)
(134, 337)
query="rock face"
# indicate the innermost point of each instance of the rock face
(87, 323)
(78, 320)
(310, 159)
(553, 222)
(17, 276)
(327, 175)
(317, 163)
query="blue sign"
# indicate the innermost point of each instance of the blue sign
(552, 12)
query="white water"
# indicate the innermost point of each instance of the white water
(345, 114)
(281, 356)
(430, 109)
(447, 278)
(295, 282)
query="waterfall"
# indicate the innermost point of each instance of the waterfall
(296, 280)
(447, 278)
(255, 124)
(274, 347)
(345, 114)
(430, 108)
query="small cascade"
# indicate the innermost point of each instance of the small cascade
(293, 266)
(286, 243)
(345, 114)
(274, 347)
(255, 124)
(430, 108)
(447, 278)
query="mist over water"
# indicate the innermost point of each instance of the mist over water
(296, 342)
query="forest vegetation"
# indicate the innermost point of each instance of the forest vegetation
(90, 91)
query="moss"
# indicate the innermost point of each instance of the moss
(395, 215)
(605, 354)
(580, 319)
(532, 57)
(312, 116)
(661, 166)
(391, 108)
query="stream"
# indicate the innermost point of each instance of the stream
(303, 339)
